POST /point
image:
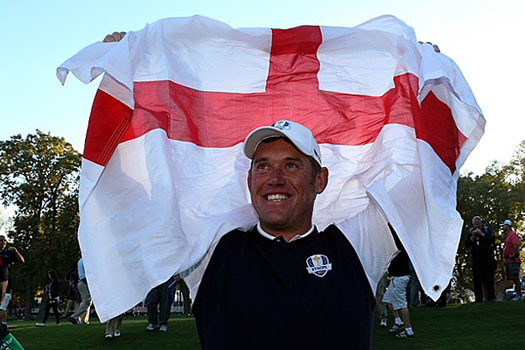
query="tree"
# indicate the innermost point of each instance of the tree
(5, 222)
(496, 195)
(39, 176)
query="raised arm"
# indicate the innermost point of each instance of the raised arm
(19, 256)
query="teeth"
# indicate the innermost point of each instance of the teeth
(277, 197)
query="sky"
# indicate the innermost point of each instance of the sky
(483, 37)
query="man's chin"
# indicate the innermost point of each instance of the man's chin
(273, 224)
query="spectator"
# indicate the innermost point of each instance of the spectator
(158, 304)
(85, 305)
(7, 256)
(511, 253)
(73, 295)
(481, 242)
(413, 288)
(113, 327)
(5, 303)
(52, 298)
(396, 294)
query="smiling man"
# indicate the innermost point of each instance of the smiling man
(283, 284)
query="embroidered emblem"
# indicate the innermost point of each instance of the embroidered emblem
(318, 265)
(281, 125)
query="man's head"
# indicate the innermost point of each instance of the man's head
(3, 242)
(476, 222)
(285, 176)
(506, 225)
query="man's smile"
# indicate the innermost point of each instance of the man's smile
(277, 197)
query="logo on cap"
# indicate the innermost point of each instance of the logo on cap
(318, 265)
(281, 125)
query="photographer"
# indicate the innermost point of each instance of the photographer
(481, 242)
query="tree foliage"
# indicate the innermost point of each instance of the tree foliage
(39, 176)
(495, 195)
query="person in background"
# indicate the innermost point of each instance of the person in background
(85, 296)
(158, 304)
(113, 327)
(73, 295)
(413, 288)
(481, 242)
(52, 298)
(511, 253)
(396, 294)
(7, 256)
(5, 303)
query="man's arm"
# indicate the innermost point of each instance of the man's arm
(486, 234)
(469, 239)
(19, 256)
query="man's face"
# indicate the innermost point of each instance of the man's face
(476, 223)
(283, 188)
(3, 242)
(506, 228)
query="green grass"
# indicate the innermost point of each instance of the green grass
(475, 326)
(181, 334)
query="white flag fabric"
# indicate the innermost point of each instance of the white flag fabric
(163, 174)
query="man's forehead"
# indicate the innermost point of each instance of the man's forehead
(269, 145)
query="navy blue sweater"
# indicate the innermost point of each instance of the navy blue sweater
(259, 294)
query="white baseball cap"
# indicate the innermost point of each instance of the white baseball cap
(507, 222)
(299, 135)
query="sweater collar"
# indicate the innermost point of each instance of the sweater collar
(273, 238)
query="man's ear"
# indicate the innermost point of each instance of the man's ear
(249, 178)
(321, 180)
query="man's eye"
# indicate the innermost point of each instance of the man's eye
(262, 166)
(292, 165)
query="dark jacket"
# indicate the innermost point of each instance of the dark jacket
(481, 247)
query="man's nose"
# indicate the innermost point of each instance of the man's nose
(276, 177)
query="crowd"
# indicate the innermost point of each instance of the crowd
(403, 288)
(480, 239)
(78, 299)
(78, 306)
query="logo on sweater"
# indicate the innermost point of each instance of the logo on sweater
(318, 265)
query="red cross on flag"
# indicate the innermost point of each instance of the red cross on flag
(163, 175)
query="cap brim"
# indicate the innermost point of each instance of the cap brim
(257, 136)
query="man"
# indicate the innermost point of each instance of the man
(7, 256)
(481, 242)
(283, 284)
(73, 295)
(158, 302)
(5, 303)
(82, 313)
(396, 294)
(511, 253)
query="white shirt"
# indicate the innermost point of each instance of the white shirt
(269, 236)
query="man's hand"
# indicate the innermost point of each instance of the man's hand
(114, 37)
(434, 46)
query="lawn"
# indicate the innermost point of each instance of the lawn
(476, 326)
